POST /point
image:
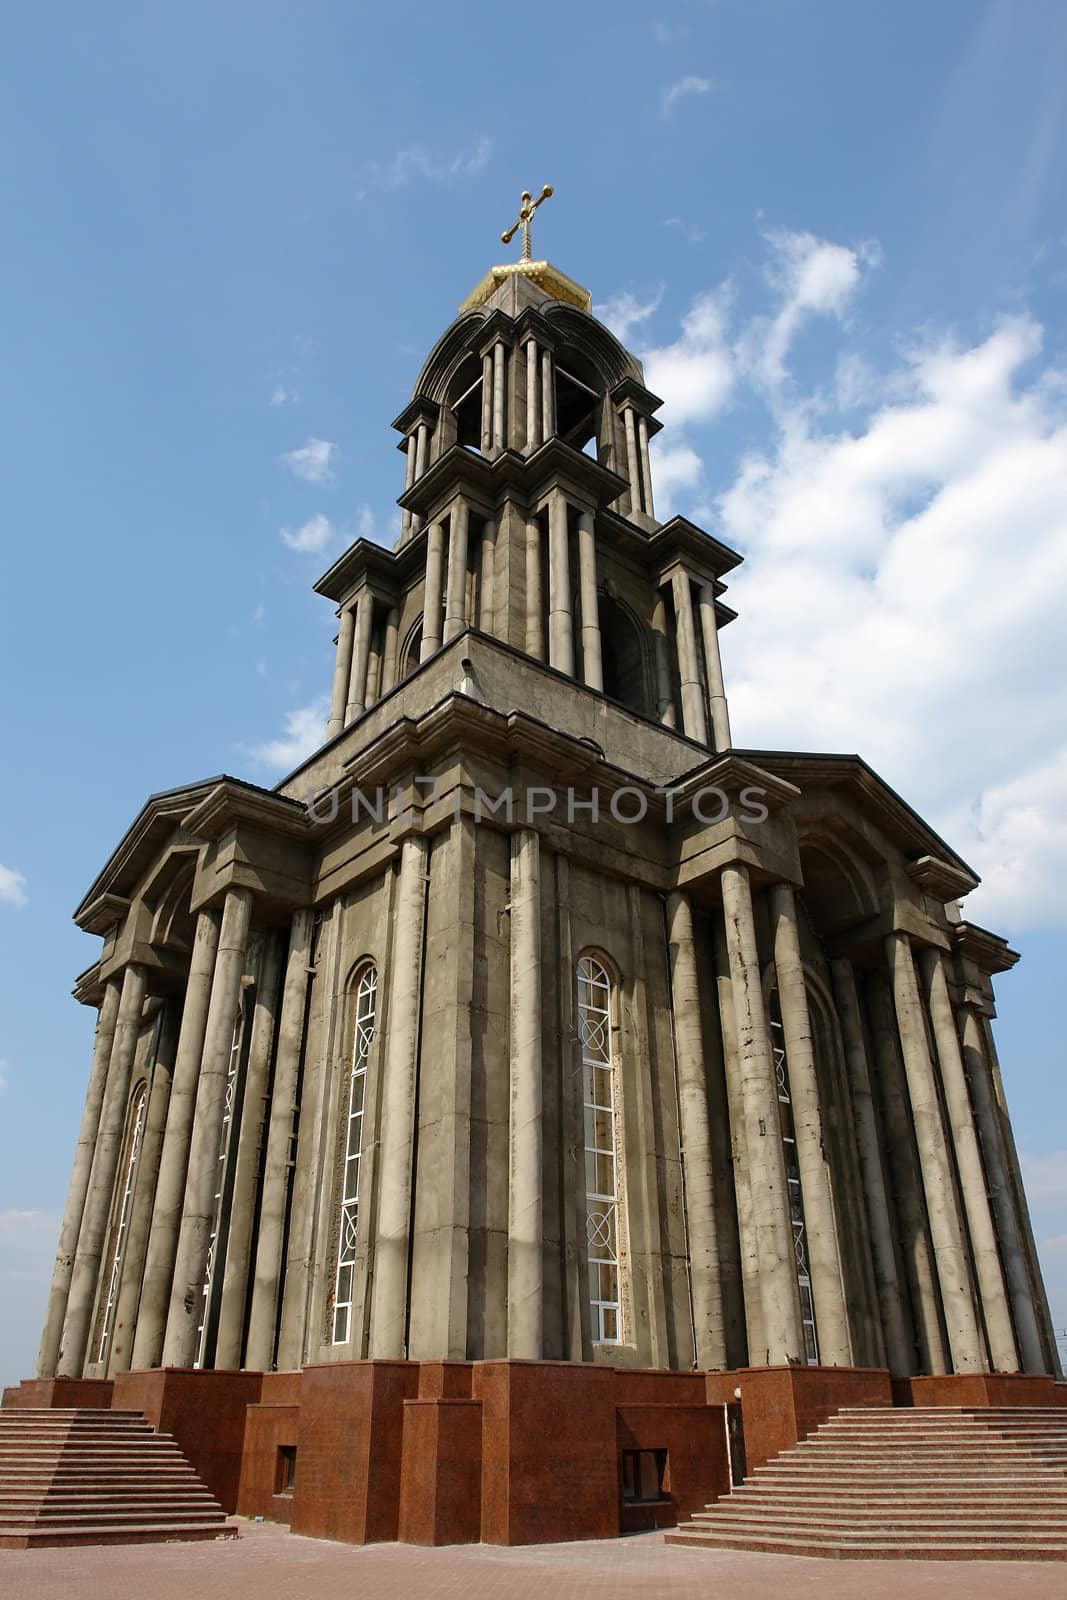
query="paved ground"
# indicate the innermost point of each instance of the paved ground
(268, 1563)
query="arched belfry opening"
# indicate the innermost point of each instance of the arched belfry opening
(624, 656)
(466, 403)
(579, 401)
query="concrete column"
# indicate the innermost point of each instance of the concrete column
(782, 1330)
(903, 1166)
(342, 671)
(431, 610)
(632, 470)
(694, 723)
(389, 650)
(279, 1157)
(898, 1345)
(525, 1208)
(535, 638)
(827, 1287)
(487, 551)
(1012, 1247)
(486, 443)
(746, 1232)
(388, 1330)
(950, 1252)
(456, 591)
(996, 1312)
(664, 696)
(79, 1181)
(374, 675)
(695, 1126)
(1021, 1208)
(252, 1134)
(124, 1323)
(422, 451)
(720, 715)
(409, 479)
(560, 619)
(533, 420)
(499, 440)
(357, 683)
(646, 464)
(592, 668)
(83, 1281)
(548, 397)
(170, 1186)
(198, 1209)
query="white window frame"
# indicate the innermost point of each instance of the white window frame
(596, 1031)
(366, 1008)
(138, 1113)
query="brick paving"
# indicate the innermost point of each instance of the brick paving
(269, 1563)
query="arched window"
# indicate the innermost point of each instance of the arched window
(622, 656)
(595, 1004)
(211, 1288)
(366, 1011)
(134, 1138)
(792, 1175)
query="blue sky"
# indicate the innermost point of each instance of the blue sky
(836, 234)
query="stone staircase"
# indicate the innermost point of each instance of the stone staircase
(931, 1483)
(97, 1477)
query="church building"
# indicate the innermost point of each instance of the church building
(534, 1074)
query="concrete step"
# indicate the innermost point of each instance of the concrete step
(88, 1517)
(904, 1519)
(130, 1533)
(849, 1549)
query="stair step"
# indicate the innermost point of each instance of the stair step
(844, 1549)
(135, 1533)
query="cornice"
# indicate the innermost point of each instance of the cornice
(510, 474)
(420, 409)
(898, 820)
(940, 878)
(365, 562)
(989, 952)
(681, 538)
(231, 801)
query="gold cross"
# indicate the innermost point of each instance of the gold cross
(526, 211)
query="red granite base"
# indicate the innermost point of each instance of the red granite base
(506, 1452)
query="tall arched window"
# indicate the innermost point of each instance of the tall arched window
(792, 1175)
(134, 1137)
(366, 1010)
(601, 1168)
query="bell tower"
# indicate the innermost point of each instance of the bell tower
(529, 515)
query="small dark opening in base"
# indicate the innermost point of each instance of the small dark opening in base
(285, 1469)
(644, 1477)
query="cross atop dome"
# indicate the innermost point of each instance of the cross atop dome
(553, 284)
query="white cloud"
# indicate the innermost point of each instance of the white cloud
(811, 277)
(5, 1068)
(677, 471)
(279, 395)
(13, 888)
(313, 461)
(683, 87)
(312, 537)
(903, 588)
(1045, 1178)
(690, 231)
(305, 731)
(25, 1229)
(624, 311)
(694, 375)
(365, 522)
(416, 162)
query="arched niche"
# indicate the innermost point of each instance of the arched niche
(624, 655)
